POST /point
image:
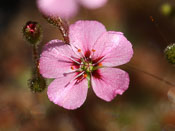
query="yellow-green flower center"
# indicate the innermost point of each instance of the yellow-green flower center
(87, 66)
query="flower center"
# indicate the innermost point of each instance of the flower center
(86, 66)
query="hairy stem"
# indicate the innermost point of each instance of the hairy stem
(62, 26)
(36, 60)
(64, 29)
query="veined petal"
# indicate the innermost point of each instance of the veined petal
(83, 34)
(109, 82)
(114, 48)
(54, 60)
(93, 4)
(69, 96)
(61, 8)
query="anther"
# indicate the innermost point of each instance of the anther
(72, 67)
(79, 50)
(85, 75)
(100, 64)
(93, 50)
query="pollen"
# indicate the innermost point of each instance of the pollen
(79, 50)
(100, 64)
(72, 67)
(85, 75)
(93, 50)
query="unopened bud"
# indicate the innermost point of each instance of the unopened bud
(32, 32)
(170, 53)
(37, 84)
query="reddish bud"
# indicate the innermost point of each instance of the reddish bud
(32, 32)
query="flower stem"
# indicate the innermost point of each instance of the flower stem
(64, 29)
(89, 80)
(152, 75)
(32, 32)
(62, 26)
(37, 83)
(36, 60)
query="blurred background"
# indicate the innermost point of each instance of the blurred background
(148, 104)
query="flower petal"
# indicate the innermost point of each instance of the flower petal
(108, 82)
(61, 8)
(93, 4)
(114, 48)
(83, 34)
(69, 97)
(54, 60)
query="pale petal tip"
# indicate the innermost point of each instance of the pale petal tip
(58, 8)
(70, 97)
(65, 106)
(93, 4)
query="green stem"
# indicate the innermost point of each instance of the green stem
(89, 80)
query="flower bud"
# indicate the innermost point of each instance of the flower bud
(37, 84)
(32, 32)
(170, 53)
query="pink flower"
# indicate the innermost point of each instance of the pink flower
(88, 61)
(66, 8)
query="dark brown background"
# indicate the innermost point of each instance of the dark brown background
(145, 106)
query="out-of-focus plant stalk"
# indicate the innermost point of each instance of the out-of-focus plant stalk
(152, 75)
(33, 34)
(170, 53)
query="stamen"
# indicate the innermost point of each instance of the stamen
(74, 60)
(100, 64)
(79, 75)
(85, 75)
(79, 50)
(93, 50)
(70, 57)
(72, 67)
(67, 73)
(79, 80)
(74, 78)
(82, 54)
